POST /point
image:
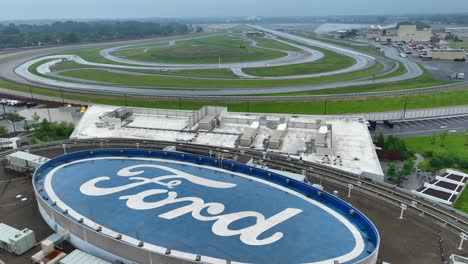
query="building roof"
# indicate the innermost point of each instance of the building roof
(6, 232)
(80, 257)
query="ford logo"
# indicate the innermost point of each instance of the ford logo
(203, 210)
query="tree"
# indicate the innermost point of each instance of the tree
(36, 117)
(32, 140)
(433, 139)
(27, 126)
(380, 141)
(400, 175)
(408, 167)
(443, 137)
(3, 130)
(392, 170)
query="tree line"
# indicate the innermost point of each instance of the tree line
(71, 32)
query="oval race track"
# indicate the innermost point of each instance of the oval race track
(17, 71)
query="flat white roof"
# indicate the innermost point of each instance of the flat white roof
(351, 139)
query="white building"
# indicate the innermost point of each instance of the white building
(399, 33)
(341, 142)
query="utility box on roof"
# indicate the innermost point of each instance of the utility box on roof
(23, 241)
(21, 159)
(15, 241)
(208, 122)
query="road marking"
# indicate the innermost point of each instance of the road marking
(450, 121)
(417, 123)
(425, 122)
(422, 131)
(411, 124)
(434, 122)
(457, 120)
(403, 124)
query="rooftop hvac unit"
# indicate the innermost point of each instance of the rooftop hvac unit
(22, 241)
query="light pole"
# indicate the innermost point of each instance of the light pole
(403, 208)
(463, 237)
(64, 146)
(404, 110)
(63, 99)
(350, 187)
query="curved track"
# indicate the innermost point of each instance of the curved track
(20, 74)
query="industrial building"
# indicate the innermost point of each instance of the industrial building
(399, 33)
(338, 141)
(119, 225)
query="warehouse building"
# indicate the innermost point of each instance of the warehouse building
(399, 33)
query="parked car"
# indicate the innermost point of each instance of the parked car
(388, 123)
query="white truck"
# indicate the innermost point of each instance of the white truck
(458, 75)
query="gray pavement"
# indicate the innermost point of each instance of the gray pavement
(426, 127)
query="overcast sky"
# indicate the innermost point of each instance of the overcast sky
(55, 9)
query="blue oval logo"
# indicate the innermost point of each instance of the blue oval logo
(194, 209)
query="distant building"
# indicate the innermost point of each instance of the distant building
(399, 33)
(257, 34)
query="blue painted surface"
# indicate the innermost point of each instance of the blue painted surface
(313, 235)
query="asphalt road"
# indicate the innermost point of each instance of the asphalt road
(425, 127)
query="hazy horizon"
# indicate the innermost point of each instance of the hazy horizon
(136, 9)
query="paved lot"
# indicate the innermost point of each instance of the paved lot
(443, 69)
(426, 127)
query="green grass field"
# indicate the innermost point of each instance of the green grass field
(273, 44)
(456, 45)
(331, 62)
(172, 81)
(207, 50)
(454, 143)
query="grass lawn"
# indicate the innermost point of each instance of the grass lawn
(441, 99)
(273, 44)
(331, 62)
(208, 50)
(172, 81)
(462, 201)
(456, 45)
(454, 144)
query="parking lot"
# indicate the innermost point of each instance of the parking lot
(443, 69)
(426, 127)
